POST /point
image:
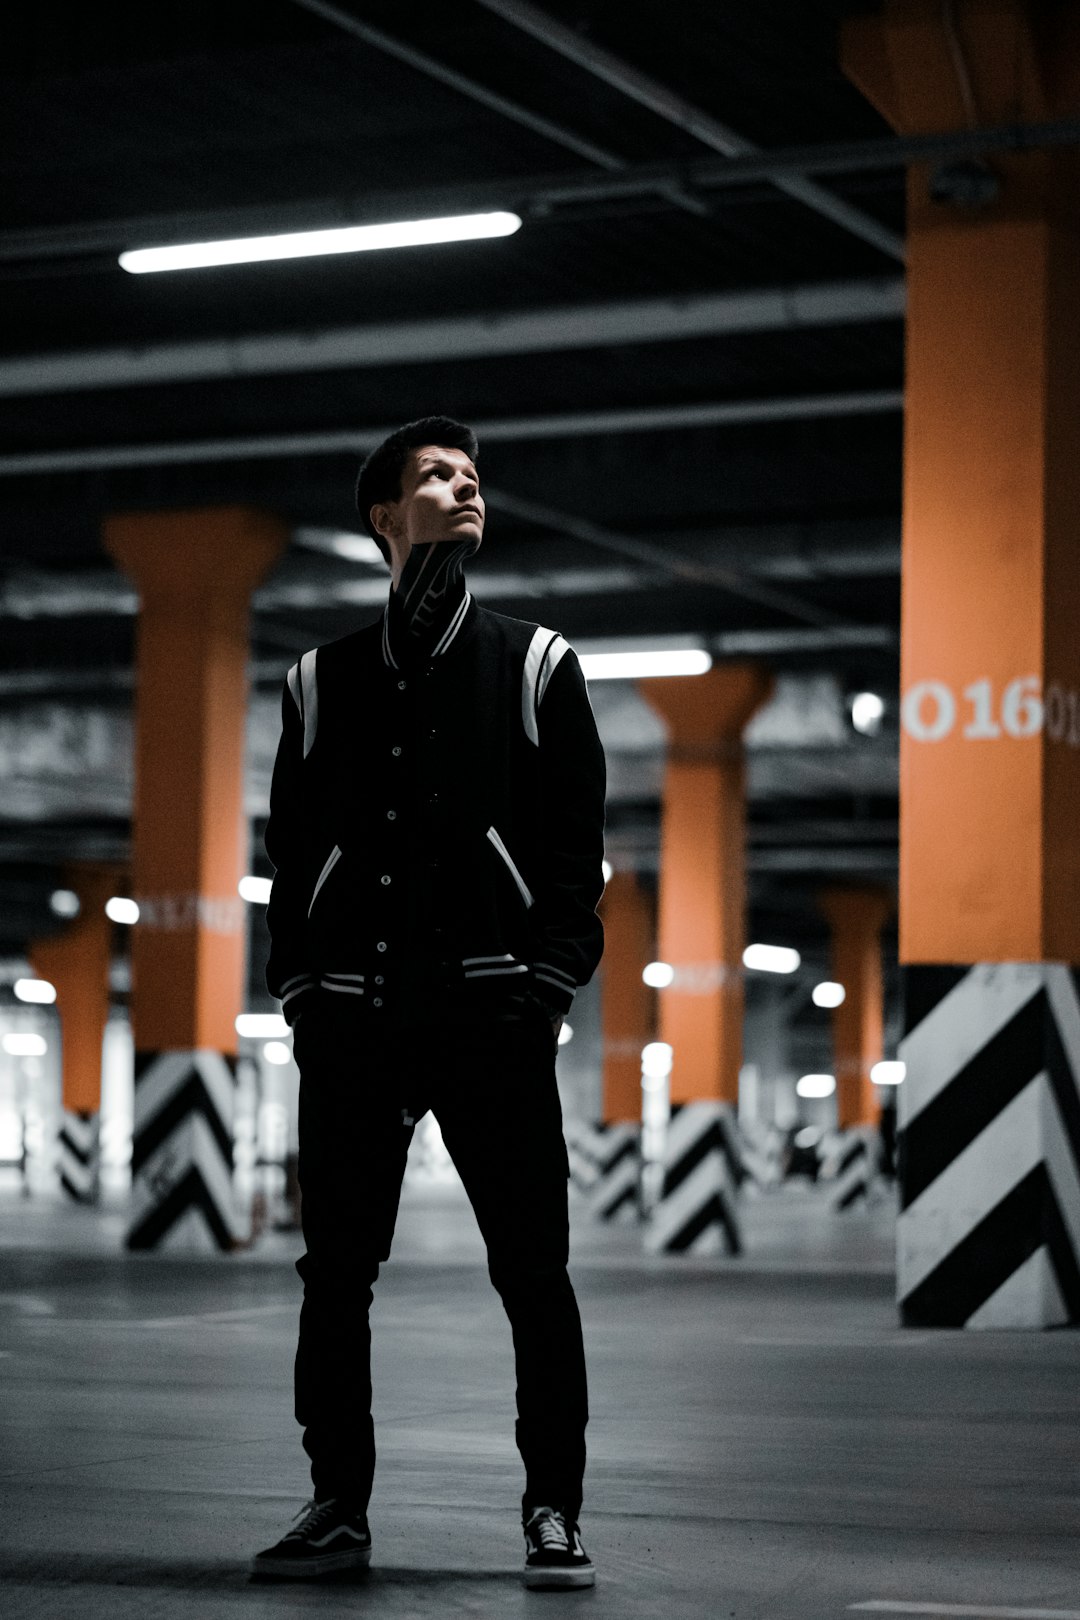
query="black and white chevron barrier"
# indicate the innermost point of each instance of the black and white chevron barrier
(77, 1157)
(616, 1192)
(182, 1152)
(852, 1168)
(696, 1210)
(605, 1163)
(989, 1147)
(581, 1152)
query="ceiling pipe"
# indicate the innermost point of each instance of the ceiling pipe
(674, 109)
(349, 441)
(538, 197)
(473, 337)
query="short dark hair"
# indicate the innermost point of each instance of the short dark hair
(379, 479)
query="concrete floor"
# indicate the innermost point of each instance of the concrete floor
(765, 1441)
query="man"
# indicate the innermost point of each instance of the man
(436, 827)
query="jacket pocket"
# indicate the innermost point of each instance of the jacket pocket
(331, 861)
(508, 862)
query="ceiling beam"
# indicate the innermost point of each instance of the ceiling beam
(576, 47)
(666, 559)
(353, 441)
(432, 68)
(471, 337)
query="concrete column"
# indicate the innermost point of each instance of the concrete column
(627, 1009)
(856, 917)
(702, 931)
(195, 571)
(989, 1118)
(76, 961)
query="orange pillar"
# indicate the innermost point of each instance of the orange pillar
(702, 931)
(76, 961)
(990, 663)
(989, 861)
(627, 1006)
(856, 918)
(195, 571)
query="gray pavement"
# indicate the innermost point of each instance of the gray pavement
(765, 1440)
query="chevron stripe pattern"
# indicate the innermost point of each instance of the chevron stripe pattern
(78, 1156)
(696, 1211)
(605, 1163)
(181, 1168)
(989, 1147)
(853, 1169)
(616, 1192)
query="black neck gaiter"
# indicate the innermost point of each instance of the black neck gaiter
(429, 593)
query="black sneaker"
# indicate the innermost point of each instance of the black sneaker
(554, 1555)
(332, 1536)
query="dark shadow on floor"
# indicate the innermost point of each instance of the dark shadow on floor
(219, 1575)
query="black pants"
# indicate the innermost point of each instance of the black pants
(491, 1085)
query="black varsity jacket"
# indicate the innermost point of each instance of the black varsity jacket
(436, 823)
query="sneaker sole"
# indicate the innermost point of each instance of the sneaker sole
(292, 1569)
(555, 1579)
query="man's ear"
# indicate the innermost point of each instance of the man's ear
(382, 520)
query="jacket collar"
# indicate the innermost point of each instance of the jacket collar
(399, 648)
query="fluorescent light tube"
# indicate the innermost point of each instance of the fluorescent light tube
(771, 958)
(630, 666)
(261, 1026)
(311, 244)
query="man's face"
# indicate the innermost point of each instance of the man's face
(440, 500)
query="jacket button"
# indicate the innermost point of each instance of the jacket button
(377, 1002)
(379, 979)
(391, 815)
(396, 752)
(381, 946)
(385, 879)
(431, 733)
(401, 686)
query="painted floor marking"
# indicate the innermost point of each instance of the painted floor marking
(983, 1611)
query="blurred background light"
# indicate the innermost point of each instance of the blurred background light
(356, 548)
(313, 244)
(121, 910)
(65, 902)
(828, 994)
(816, 1085)
(255, 1026)
(21, 1045)
(256, 890)
(889, 1073)
(35, 990)
(630, 666)
(656, 1060)
(658, 974)
(276, 1052)
(566, 1033)
(867, 712)
(771, 958)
